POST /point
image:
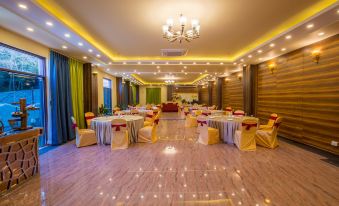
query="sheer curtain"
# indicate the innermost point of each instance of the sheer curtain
(61, 99)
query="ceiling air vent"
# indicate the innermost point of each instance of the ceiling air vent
(173, 52)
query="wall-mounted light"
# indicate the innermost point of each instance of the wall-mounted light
(239, 76)
(316, 55)
(227, 80)
(272, 67)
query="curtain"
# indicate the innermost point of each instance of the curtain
(76, 76)
(87, 82)
(95, 103)
(134, 94)
(61, 99)
(153, 95)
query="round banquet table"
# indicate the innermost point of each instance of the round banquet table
(227, 125)
(142, 112)
(103, 127)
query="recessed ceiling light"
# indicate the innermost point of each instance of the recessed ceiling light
(22, 6)
(309, 26)
(242, 60)
(159, 70)
(283, 49)
(84, 57)
(249, 56)
(182, 70)
(207, 63)
(221, 63)
(135, 70)
(185, 67)
(139, 73)
(90, 50)
(67, 35)
(235, 63)
(158, 67)
(200, 73)
(337, 11)
(30, 29)
(154, 73)
(123, 73)
(321, 33)
(64, 46)
(109, 63)
(98, 55)
(80, 44)
(272, 45)
(107, 69)
(180, 63)
(185, 73)
(139, 62)
(123, 62)
(167, 63)
(49, 23)
(153, 62)
(98, 64)
(260, 59)
(205, 70)
(288, 37)
(259, 51)
(194, 63)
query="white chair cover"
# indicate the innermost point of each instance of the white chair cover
(120, 134)
(245, 138)
(83, 137)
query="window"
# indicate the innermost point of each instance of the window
(107, 84)
(22, 76)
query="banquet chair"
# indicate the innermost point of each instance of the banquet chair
(191, 121)
(88, 117)
(239, 113)
(244, 138)
(115, 109)
(83, 137)
(268, 138)
(229, 111)
(148, 134)
(197, 112)
(148, 107)
(207, 135)
(149, 118)
(134, 112)
(119, 113)
(270, 122)
(206, 112)
(120, 134)
(186, 111)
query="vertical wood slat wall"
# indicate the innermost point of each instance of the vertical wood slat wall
(204, 95)
(214, 93)
(304, 93)
(232, 92)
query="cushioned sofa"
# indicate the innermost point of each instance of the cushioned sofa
(169, 107)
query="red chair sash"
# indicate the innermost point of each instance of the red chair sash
(156, 121)
(74, 125)
(228, 110)
(194, 109)
(186, 113)
(117, 126)
(155, 112)
(89, 117)
(277, 124)
(202, 123)
(249, 125)
(149, 115)
(238, 113)
(273, 118)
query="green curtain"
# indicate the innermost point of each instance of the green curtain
(76, 75)
(153, 95)
(134, 94)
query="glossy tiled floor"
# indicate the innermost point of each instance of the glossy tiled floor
(193, 174)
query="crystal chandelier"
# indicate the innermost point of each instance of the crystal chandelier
(169, 81)
(184, 33)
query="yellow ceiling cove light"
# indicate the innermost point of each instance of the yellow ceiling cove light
(53, 8)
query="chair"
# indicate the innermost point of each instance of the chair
(83, 137)
(120, 134)
(186, 111)
(207, 135)
(268, 138)
(149, 119)
(119, 113)
(148, 134)
(244, 139)
(89, 116)
(134, 112)
(239, 113)
(191, 121)
(213, 107)
(148, 107)
(229, 111)
(270, 122)
(116, 109)
(206, 112)
(197, 112)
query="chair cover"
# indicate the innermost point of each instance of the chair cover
(207, 135)
(239, 113)
(197, 112)
(268, 138)
(119, 113)
(116, 109)
(191, 121)
(270, 122)
(244, 139)
(206, 112)
(229, 111)
(149, 119)
(134, 112)
(83, 137)
(148, 134)
(119, 138)
(89, 116)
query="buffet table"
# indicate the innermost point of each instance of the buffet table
(103, 127)
(227, 126)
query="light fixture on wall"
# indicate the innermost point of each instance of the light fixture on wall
(227, 79)
(272, 67)
(316, 55)
(239, 76)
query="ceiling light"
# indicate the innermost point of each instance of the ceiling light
(67, 35)
(309, 26)
(139, 73)
(182, 70)
(153, 62)
(185, 67)
(242, 60)
(98, 55)
(259, 51)
(272, 45)
(84, 57)
(30, 29)
(288, 37)
(158, 67)
(200, 73)
(80, 44)
(154, 73)
(260, 59)
(194, 63)
(249, 56)
(109, 63)
(221, 63)
(205, 71)
(123, 62)
(139, 62)
(166, 62)
(90, 50)
(22, 6)
(107, 69)
(64, 46)
(235, 63)
(283, 49)
(180, 63)
(207, 63)
(48, 23)
(185, 73)
(321, 33)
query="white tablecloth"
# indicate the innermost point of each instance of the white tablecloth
(226, 125)
(142, 112)
(103, 127)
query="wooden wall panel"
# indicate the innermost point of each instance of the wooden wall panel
(304, 93)
(204, 95)
(214, 94)
(186, 89)
(232, 92)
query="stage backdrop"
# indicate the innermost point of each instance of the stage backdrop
(188, 97)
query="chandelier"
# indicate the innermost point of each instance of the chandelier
(184, 33)
(169, 81)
